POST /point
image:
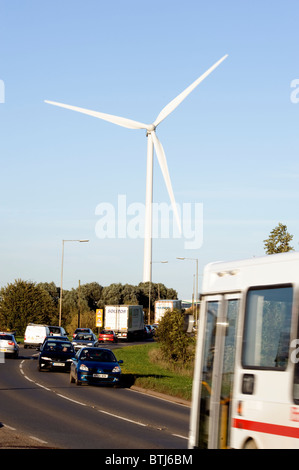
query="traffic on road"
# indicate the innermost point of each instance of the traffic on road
(39, 398)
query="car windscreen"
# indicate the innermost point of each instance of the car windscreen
(83, 337)
(97, 355)
(54, 329)
(58, 346)
(6, 337)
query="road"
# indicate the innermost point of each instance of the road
(63, 415)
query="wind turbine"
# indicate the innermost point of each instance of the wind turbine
(152, 142)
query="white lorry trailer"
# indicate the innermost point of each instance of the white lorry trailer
(127, 321)
(162, 305)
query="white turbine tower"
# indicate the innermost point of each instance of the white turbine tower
(152, 143)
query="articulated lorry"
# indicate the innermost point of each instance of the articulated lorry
(162, 305)
(127, 321)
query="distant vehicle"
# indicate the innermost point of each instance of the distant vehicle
(8, 344)
(85, 339)
(161, 306)
(147, 332)
(81, 330)
(125, 320)
(152, 329)
(56, 338)
(57, 331)
(56, 354)
(35, 334)
(95, 365)
(108, 335)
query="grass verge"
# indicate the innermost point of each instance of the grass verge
(143, 367)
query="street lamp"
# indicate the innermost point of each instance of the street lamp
(196, 287)
(60, 299)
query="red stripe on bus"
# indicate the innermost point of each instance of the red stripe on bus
(266, 428)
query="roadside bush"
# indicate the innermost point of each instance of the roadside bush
(175, 344)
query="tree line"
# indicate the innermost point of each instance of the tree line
(24, 302)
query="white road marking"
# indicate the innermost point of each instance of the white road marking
(38, 440)
(181, 437)
(9, 427)
(100, 411)
(42, 386)
(121, 417)
(70, 399)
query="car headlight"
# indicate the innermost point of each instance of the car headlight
(83, 367)
(44, 358)
(116, 369)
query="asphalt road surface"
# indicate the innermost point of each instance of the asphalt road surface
(57, 414)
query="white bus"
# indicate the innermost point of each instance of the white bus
(246, 377)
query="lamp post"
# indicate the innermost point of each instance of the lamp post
(196, 284)
(61, 278)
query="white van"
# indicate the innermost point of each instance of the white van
(35, 334)
(57, 331)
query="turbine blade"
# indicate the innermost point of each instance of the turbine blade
(164, 168)
(170, 107)
(120, 121)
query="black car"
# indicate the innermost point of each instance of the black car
(52, 338)
(56, 355)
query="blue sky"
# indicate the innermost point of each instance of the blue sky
(232, 145)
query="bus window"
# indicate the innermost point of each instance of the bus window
(227, 374)
(267, 328)
(207, 370)
(217, 372)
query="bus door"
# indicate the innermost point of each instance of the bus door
(217, 358)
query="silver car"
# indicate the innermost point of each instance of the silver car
(8, 344)
(82, 340)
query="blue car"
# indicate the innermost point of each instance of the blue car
(95, 365)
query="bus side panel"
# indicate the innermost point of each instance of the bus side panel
(269, 423)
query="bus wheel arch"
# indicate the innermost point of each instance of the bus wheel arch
(250, 443)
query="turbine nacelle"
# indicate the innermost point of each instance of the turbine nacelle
(150, 128)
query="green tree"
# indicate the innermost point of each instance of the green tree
(52, 289)
(25, 302)
(175, 343)
(112, 295)
(91, 293)
(156, 291)
(278, 241)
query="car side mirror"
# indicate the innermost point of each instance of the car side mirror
(120, 362)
